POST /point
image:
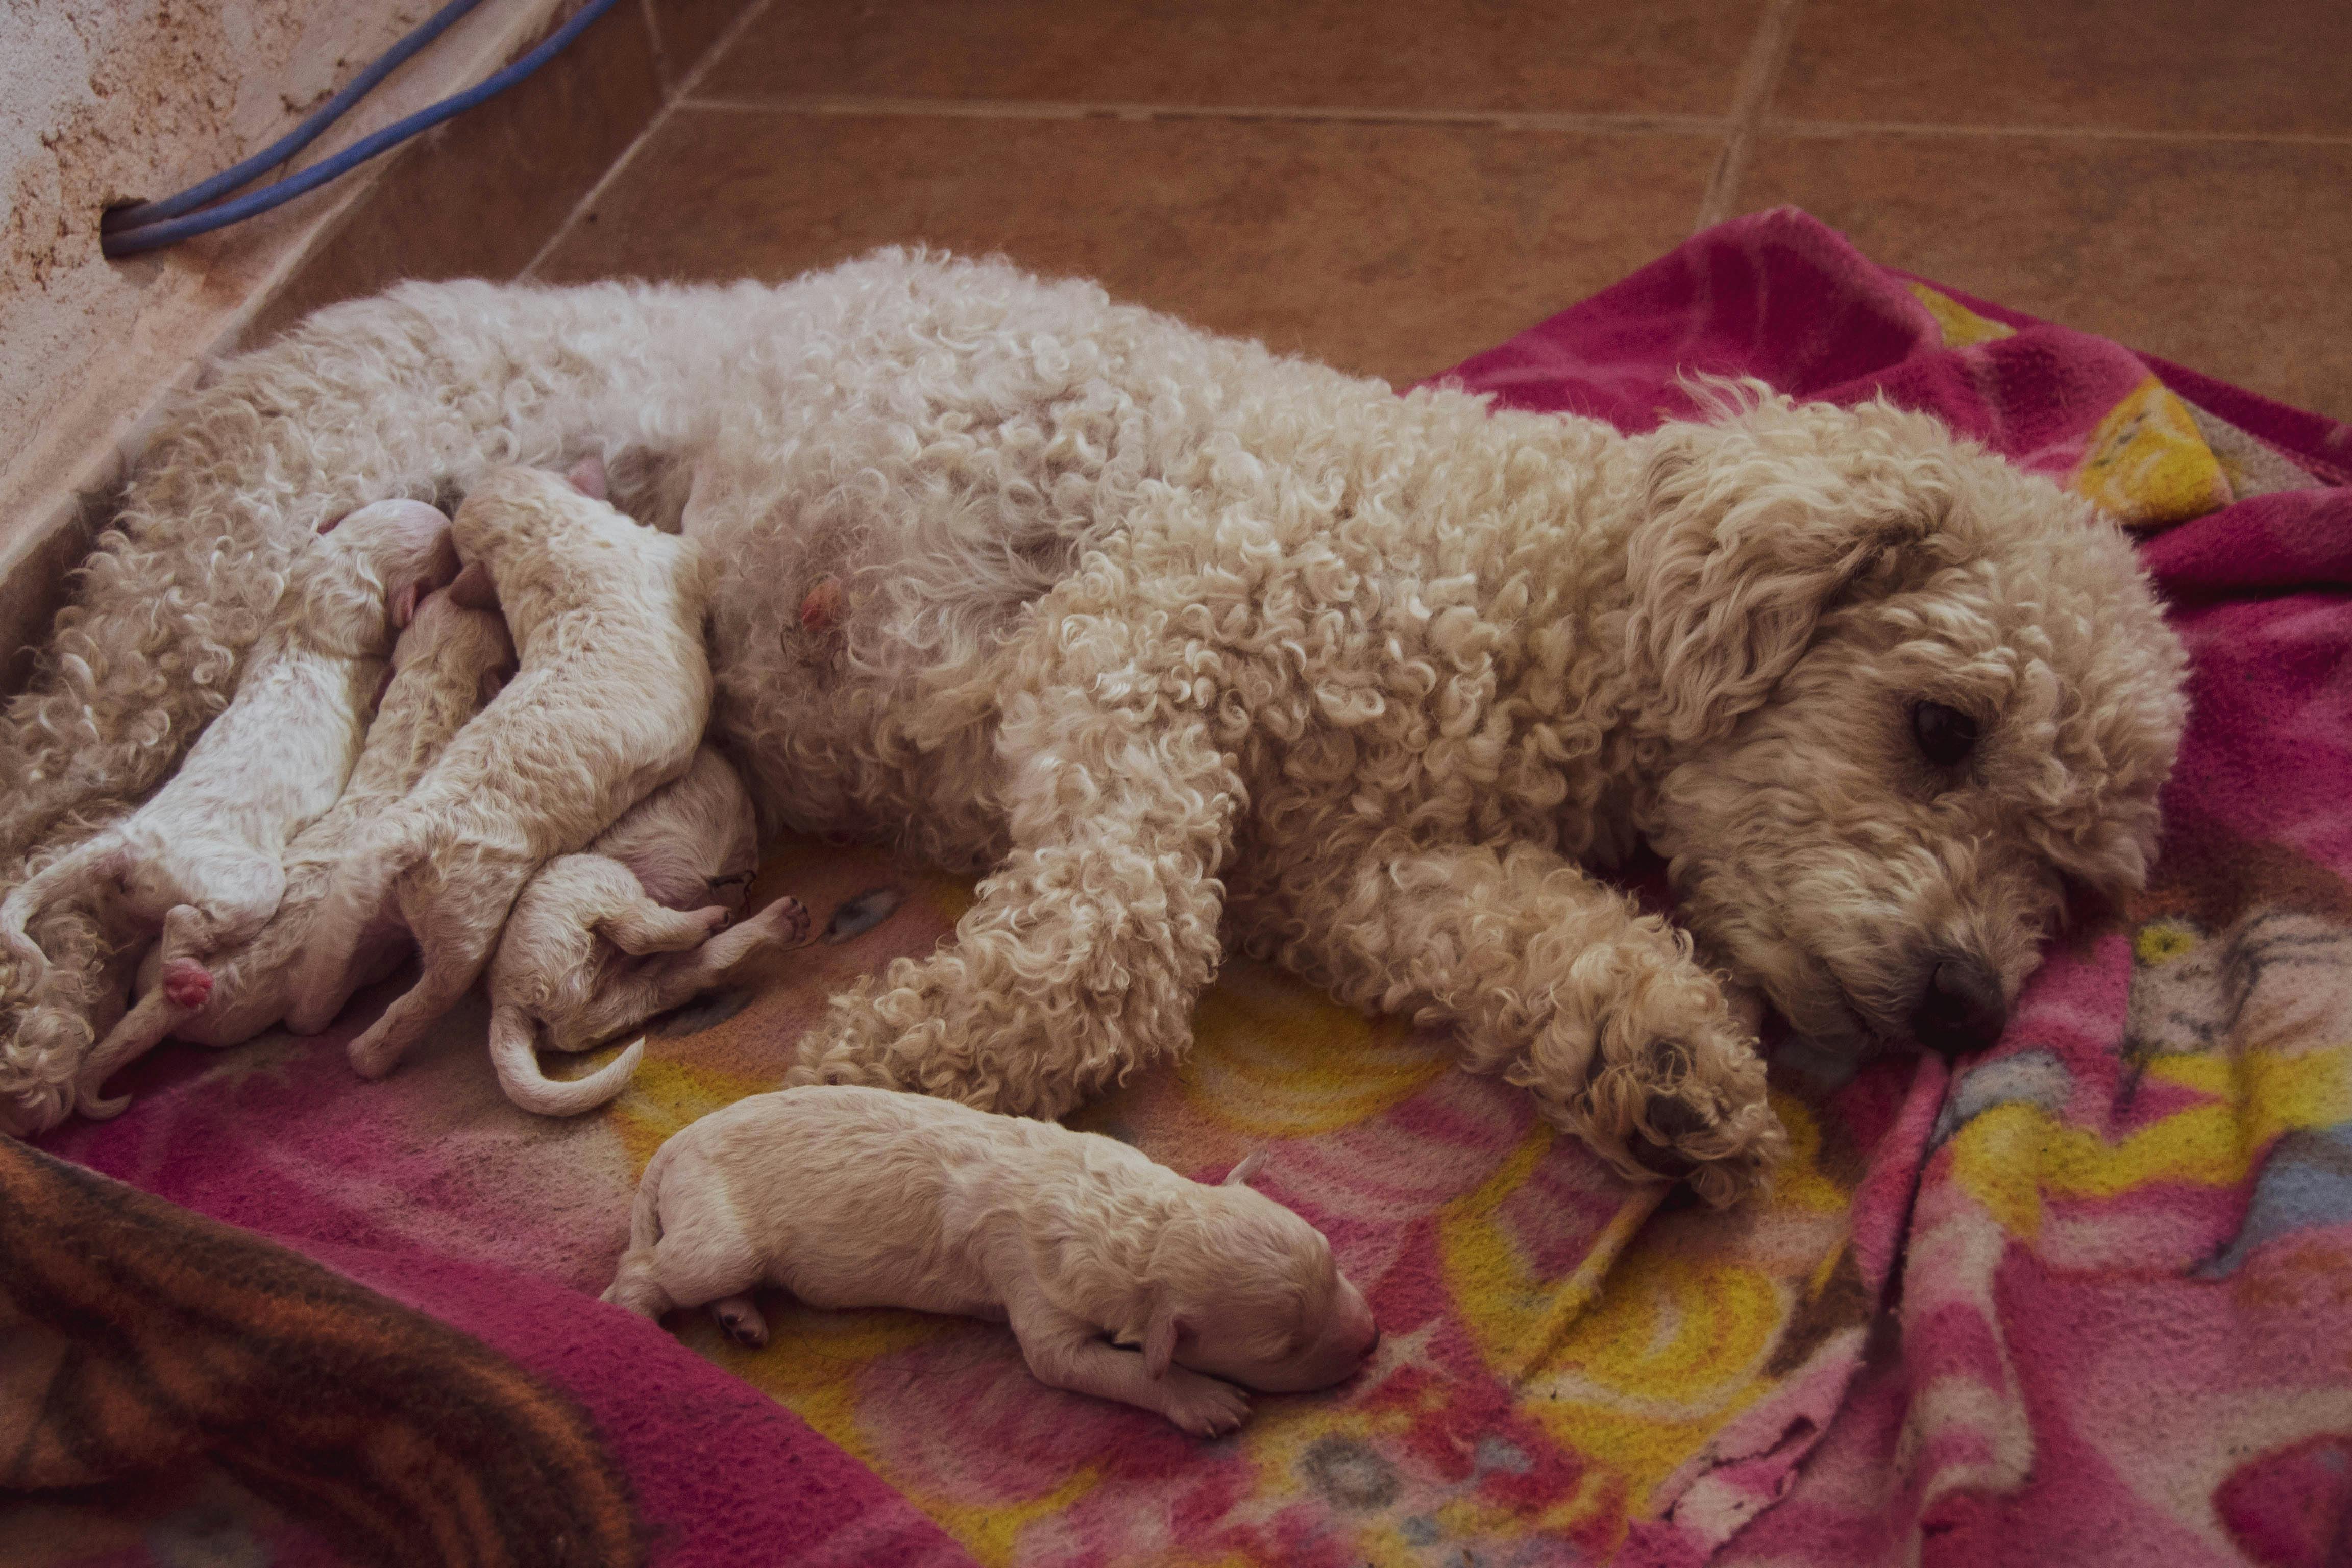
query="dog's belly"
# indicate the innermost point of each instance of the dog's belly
(888, 517)
(839, 1270)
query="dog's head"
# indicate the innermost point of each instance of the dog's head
(504, 530)
(1902, 696)
(370, 569)
(1243, 1290)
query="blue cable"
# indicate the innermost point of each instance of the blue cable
(294, 141)
(160, 223)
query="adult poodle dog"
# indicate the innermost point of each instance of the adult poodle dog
(1192, 647)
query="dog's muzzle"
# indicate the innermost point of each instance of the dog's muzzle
(1961, 1009)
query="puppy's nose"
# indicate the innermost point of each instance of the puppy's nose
(1961, 1009)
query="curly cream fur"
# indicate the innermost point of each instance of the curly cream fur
(635, 924)
(200, 861)
(1191, 647)
(609, 703)
(446, 664)
(852, 1197)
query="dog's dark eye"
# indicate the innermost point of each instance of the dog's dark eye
(1946, 735)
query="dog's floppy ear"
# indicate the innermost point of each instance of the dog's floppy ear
(1159, 1337)
(1753, 528)
(1241, 1174)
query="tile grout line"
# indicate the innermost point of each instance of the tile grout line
(1066, 110)
(1760, 74)
(671, 101)
(661, 55)
(1597, 122)
(1831, 130)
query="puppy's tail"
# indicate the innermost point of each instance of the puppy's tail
(36, 893)
(644, 1215)
(636, 1283)
(357, 892)
(513, 1052)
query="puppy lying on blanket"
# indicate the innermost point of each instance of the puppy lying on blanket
(200, 859)
(862, 1198)
(603, 940)
(610, 703)
(446, 666)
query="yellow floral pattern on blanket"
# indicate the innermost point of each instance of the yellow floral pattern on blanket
(1961, 327)
(2015, 1159)
(2146, 462)
(2149, 465)
(1538, 1378)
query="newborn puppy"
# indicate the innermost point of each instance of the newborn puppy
(447, 665)
(200, 859)
(603, 940)
(610, 703)
(862, 1197)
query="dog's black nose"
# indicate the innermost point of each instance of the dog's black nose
(1961, 1009)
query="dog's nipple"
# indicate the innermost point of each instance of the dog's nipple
(821, 611)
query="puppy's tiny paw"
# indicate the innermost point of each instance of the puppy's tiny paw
(186, 983)
(788, 921)
(1205, 1406)
(741, 1319)
(370, 1056)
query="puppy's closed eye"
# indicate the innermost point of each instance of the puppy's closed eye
(1945, 736)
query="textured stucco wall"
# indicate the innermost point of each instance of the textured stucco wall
(106, 100)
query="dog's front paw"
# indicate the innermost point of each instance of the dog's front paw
(1203, 1407)
(1667, 1083)
(1712, 1127)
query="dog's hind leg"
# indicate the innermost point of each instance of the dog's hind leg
(670, 980)
(1087, 948)
(1557, 983)
(232, 898)
(141, 1029)
(643, 926)
(457, 931)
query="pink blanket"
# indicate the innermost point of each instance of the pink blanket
(2085, 1299)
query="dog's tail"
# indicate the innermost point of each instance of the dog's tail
(635, 1283)
(644, 1215)
(36, 893)
(353, 897)
(513, 1051)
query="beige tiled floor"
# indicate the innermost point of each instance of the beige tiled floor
(1443, 56)
(1389, 248)
(1393, 184)
(2183, 66)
